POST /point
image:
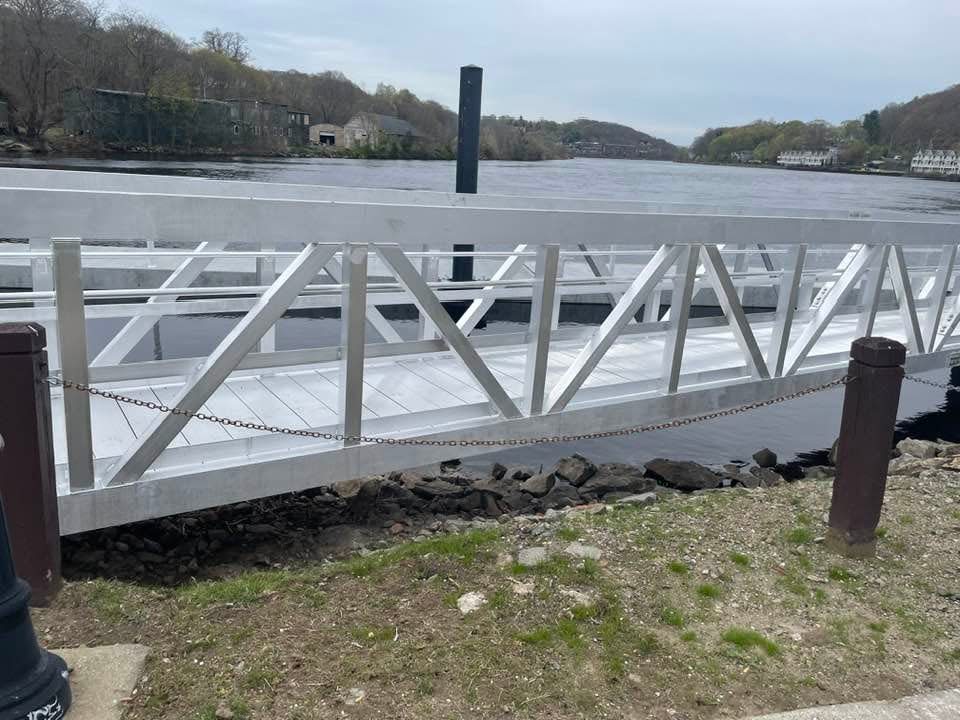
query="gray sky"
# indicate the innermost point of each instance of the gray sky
(667, 67)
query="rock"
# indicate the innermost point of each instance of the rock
(449, 465)
(617, 478)
(647, 498)
(397, 528)
(819, 472)
(766, 476)
(496, 487)
(790, 471)
(575, 469)
(561, 495)
(223, 711)
(532, 556)
(498, 471)
(765, 458)
(430, 488)
(579, 550)
(578, 597)
(910, 465)
(539, 485)
(519, 472)
(922, 449)
(832, 454)
(517, 500)
(365, 488)
(150, 558)
(951, 450)
(521, 588)
(471, 602)
(682, 474)
(260, 529)
(354, 696)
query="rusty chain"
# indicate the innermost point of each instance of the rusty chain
(931, 383)
(498, 442)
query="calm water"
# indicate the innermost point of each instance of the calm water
(794, 429)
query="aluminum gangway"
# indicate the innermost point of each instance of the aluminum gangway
(832, 277)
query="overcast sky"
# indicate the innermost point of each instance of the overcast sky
(667, 67)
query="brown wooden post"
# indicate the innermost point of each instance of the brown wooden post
(27, 471)
(863, 452)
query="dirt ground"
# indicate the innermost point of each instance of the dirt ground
(716, 604)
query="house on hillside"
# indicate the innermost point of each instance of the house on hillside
(372, 129)
(808, 158)
(742, 156)
(326, 134)
(936, 162)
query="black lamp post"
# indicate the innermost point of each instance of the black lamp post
(33, 683)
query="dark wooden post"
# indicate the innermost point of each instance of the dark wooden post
(863, 452)
(27, 471)
(468, 153)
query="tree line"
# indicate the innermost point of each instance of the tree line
(48, 46)
(898, 129)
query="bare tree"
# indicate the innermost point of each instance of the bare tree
(43, 33)
(231, 44)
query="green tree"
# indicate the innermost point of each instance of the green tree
(871, 126)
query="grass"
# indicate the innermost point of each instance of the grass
(745, 639)
(367, 635)
(840, 574)
(463, 547)
(739, 559)
(708, 591)
(672, 616)
(678, 568)
(800, 535)
(569, 533)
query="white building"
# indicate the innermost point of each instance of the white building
(936, 162)
(808, 158)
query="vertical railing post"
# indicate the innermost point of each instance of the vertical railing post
(266, 275)
(681, 298)
(353, 321)
(28, 482)
(541, 324)
(788, 295)
(430, 271)
(41, 271)
(468, 153)
(74, 364)
(866, 431)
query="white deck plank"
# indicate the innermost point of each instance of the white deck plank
(408, 389)
(140, 417)
(425, 368)
(226, 403)
(196, 432)
(112, 433)
(267, 406)
(455, 369)
(303, 403)
(321, 385)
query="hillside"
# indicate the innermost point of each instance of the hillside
(898, 129)
(47, 48)
(596, 131)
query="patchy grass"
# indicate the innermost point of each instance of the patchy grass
(746, 639)
(629, 635)
(708, 591)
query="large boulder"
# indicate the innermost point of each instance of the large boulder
(617, 478)
(575, 469)
(428, 487)
(539, 485)
(923, 449)
(765, 458)
(561, 495)
(682, 474)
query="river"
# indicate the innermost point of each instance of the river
(801, 428)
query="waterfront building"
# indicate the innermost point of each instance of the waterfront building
(326, 134)
(936, 162)
(371, 129)
(808, 158)
(742, 156)
(130, 119)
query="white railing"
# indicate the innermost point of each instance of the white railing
(830, 279)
